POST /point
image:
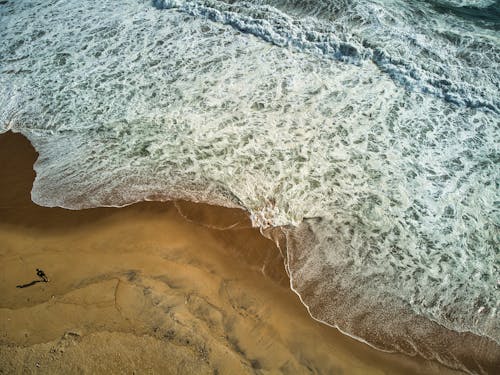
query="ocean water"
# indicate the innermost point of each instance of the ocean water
(367, 130)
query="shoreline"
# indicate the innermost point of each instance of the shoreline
(231, 292)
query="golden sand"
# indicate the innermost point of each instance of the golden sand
(141, 290)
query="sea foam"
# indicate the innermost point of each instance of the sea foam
(367, 130)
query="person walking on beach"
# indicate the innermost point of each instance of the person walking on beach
(43, 278)
(42, 275)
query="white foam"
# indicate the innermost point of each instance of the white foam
(127, 103)
(469, 3)
(388, 34)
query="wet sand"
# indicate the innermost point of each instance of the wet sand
(140, 289)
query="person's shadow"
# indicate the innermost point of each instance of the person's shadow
(43, 279)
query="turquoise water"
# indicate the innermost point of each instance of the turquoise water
(369, 129)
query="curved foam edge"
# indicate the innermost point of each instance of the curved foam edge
(414, 334)
(281, 237)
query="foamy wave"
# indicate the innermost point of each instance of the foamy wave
(468, 3)
(398, 187)
(389, 36)
(271, 25)
(355, 307)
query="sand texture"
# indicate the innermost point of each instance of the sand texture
(142, 290)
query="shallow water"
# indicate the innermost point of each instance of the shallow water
(370, 127)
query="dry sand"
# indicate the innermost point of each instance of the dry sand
(142, 290)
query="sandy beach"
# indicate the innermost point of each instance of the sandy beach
(141, 289)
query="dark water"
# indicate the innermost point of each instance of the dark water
(488, 17)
